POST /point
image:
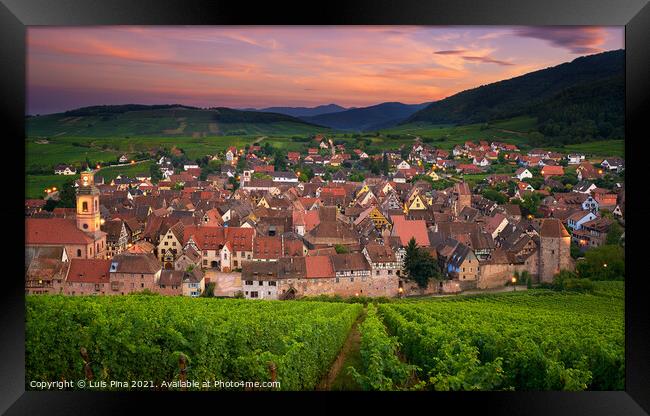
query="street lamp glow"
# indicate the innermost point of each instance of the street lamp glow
(604, 264)
(54, 189)
(514, 280)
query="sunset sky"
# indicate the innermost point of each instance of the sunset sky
(236, 66)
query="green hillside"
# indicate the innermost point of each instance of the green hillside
(164, 120)
(575, 102)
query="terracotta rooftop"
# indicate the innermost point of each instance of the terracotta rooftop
(89, 271)
(54, 231)
(552, 227)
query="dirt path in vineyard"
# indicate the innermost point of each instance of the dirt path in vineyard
(351, 345)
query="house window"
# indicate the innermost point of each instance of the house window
(254, 294)
(84, 206)
(272, 283)
(337, 280)
(261, 282)
(78, 253)
(352, 279)
(552, 251)
(141, 284)
(249, 282)
(377, 273)
(269, 293)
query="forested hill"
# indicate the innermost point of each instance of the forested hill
(164, 120)
(367, 118)
(578, 101)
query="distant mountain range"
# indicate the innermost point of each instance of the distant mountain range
(371, 118)
(301, 111)
(165, 120)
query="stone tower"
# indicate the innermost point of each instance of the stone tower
(554, 249)
(88, 215)
(462, 197)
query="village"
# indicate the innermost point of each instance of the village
(327, 221)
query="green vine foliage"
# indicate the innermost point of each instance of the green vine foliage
(142, 337)
(381, 368)
(538, 340)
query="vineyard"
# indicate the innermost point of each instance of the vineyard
(541, 340)
(530, 340)
(142, 337)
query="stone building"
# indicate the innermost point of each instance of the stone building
(554, 250)
(134, 273)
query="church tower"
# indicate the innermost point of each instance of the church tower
(88, 215)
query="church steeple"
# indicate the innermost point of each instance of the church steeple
(88, 215)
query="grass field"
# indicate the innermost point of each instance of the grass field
(112, 172)
(35, 185)
(601, 148)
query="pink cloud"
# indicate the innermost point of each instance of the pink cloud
(578, 40)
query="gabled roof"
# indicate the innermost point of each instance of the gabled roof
(317, 267)
(135, 263)
(407, 229)
(89, 271)
(349, 261)
(380, 253)
(54, 231)
(553, 228)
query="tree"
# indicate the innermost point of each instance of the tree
(614, 234)
(385, 166)
(154, 172)
(279, 161)
(50, 204)
(341, 249)
(209, 290)
(67, 195)
(419, 264)
(241, 163)
(575, 250)
(606, 262)
(495, 196)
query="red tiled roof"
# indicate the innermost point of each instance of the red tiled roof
(318, 267)
(89, 271)
(552, 170)
(210, 238)
(54, 231)
(406, 229)
(267, 247)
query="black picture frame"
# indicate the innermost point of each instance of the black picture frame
(15, 15)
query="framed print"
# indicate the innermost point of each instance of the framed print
(385, 203)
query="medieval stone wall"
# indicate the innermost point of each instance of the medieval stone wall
(370, 286)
